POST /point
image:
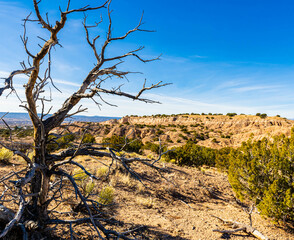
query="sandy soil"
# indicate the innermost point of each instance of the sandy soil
(180, 204)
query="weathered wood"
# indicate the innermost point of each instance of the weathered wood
(42, 165)
(237, 227)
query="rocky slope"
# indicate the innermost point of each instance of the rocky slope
(214, 131)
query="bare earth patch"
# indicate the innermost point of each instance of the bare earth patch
(180, 204)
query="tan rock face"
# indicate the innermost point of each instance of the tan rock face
(214, 131)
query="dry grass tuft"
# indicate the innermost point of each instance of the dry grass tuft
(124, 179)
(106, 195)
(145, 202)
(5, 155)
(102, 172)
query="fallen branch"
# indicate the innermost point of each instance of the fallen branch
(17, 216)
(236, 227)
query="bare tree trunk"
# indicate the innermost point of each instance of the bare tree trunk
(40, 182)
(32, 185)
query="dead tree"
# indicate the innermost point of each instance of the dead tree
(34, 190)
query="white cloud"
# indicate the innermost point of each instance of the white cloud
(64, 82)
(265, 88)
(63, 67)
(174, 59)
(197, 56)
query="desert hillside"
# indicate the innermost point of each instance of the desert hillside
(177, 202)
(215, 131)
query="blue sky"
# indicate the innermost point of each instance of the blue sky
(221, 56)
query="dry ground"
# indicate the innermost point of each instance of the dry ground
(180, 204)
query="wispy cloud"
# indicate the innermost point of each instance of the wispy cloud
(197, 56)
(7, 8)
(233, 83)
(64, 67)
(263, 88)
(174, 59)
(64, 82)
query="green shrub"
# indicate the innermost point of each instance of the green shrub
(5, 155)
(117, 142)
(200, 136)
(106, 131)
(222, 158)
(231, 114)
(134, 146)
(154, 147)
(264, 115)
(192, 155)
(263, 171)
(21, 133)
(183, 136)
(89, 138)
(5, 133)
(55, 143)
(159, 132)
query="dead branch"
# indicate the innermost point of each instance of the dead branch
(19, 184)
(24, 37)
(32, 190)
(29, 175)
(119, 93)
(8, 81)
(96, 224)
(17, 216)
(236, 227)
(19, 153)
(85, 8)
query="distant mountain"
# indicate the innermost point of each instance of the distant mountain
(24, 119)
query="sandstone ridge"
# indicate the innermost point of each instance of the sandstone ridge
(214, 131)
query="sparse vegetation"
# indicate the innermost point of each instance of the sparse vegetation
(102, 171)
(121, 143)
(146, 202)
(231, 114)
(19, 132)
(192, 155)
(153, 147)
(188, 153)
(106, 196)
(5, 155)
(56, 142)
(264, 115)
(89, 138)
